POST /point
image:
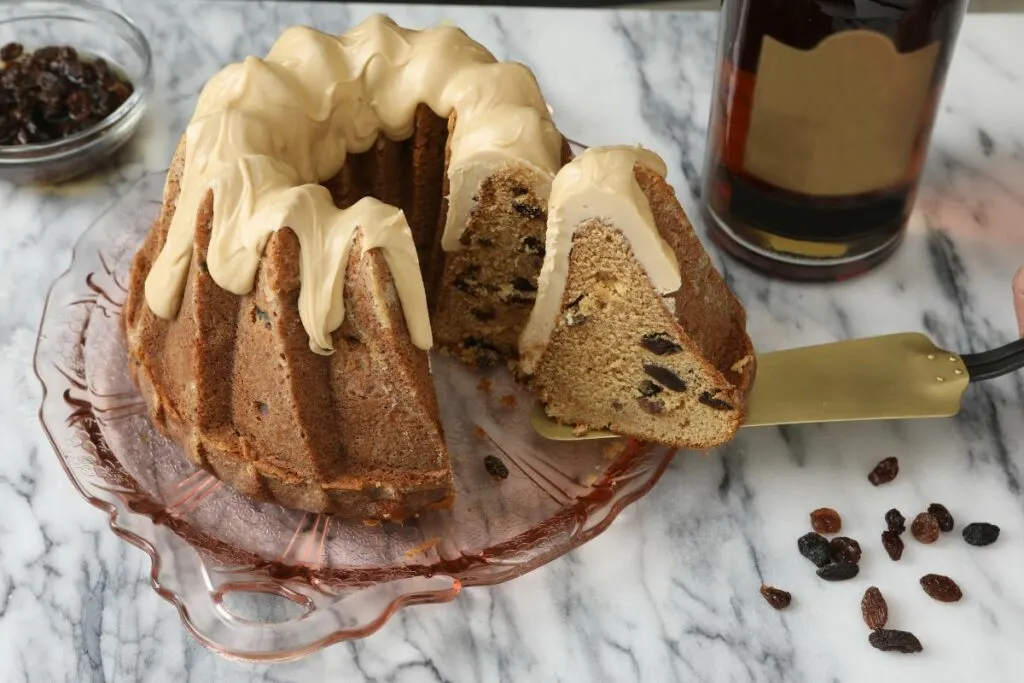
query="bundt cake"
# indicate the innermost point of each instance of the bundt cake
(339, 208)
(634, 330)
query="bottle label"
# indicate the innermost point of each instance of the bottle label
(839, 119)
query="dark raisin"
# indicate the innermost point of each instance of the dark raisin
(262, 407)
(263, 317)
(891, 640)
(78, 105)
(895, 521)
(617, 404)
(874, 609)
(942, 516)
(814, 547)
(826, 521)
(485, 354)
(654, 406)
(485, 242)
(495, 467)
(844, 549)
(352, 341)
(532, 245)
(925, 528)
(67, 53)
(483, 313)
(981, 533)
(203, 267)
(528, 210)
(893, 545)
(11, 51)
(47, 80)
(464, 285)
(660, 343)
(649, 388)
(776, 597)
(885, 471)
(519, 190)
(119, 92)
(665, 376)
(942, 588)
(521, 284)
(73, 71)
(838, 571)
(708, 399)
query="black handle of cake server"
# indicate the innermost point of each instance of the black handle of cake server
(995, 362)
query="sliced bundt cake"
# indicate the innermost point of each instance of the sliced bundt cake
(634, 330)
(277, 318)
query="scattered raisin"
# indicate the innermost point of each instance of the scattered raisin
(262, 407)
(776, 597)
(708, 399)
(263, 317)
(484, 354)
(654, 406)
(523, 285)
(826, 521)
(885, 471)
(895, 521)
(838, 571)
(942, 516)
(893, 544)
(649, 388)
(495, 467)
(483, 313)
(532, 245)
(942, 588)
(814, 547)
(617, 404)
(11, 51)
(874, 609)
(981, 533)
(524, 208)
(519, 190)
(660, 344)
(925, 528)
(665, 376)
(844, 549)
(891, 640)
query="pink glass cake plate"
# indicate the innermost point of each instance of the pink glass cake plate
(257, 581)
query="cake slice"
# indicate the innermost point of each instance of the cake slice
(634, 330)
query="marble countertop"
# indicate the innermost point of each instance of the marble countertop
(670, 591)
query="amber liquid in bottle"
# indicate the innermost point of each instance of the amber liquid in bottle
(820, 122)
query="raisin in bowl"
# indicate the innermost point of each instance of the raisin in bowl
(74, 84)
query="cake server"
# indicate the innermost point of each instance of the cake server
(897, 376)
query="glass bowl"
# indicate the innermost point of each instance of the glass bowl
(257, 581)
(95, 32)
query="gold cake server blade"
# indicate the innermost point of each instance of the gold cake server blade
(891, 377)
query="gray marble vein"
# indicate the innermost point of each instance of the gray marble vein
(670, 591)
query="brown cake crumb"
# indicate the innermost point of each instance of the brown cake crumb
(484, 385)
(508, 401)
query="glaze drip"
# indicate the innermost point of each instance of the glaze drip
(267, 132)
